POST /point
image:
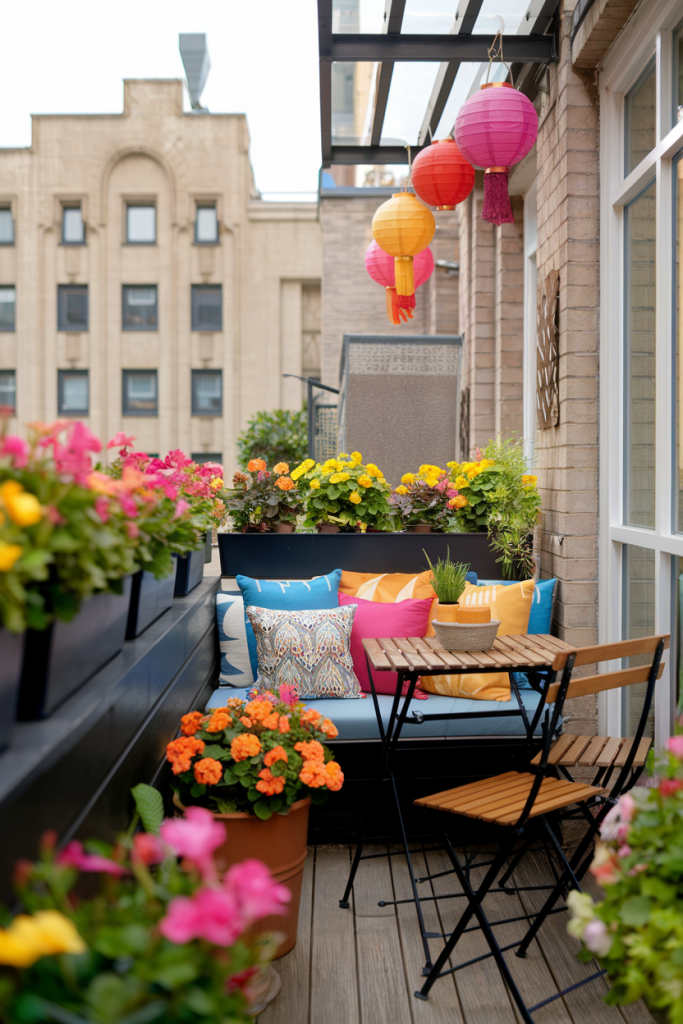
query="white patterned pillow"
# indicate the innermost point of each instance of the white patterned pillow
(306, 649)
(232, 638)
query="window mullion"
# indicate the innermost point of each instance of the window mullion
(664, 420)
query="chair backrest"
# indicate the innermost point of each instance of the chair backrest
(608, 680)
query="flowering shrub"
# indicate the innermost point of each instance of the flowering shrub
(277, 436)
(636, 932)
(161, 940)
(259, 756)
(260, 498)
(345, 493)
(427, 496)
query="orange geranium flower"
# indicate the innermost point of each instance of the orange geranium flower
(220, 719)
(335, 776)
(311, 750)
(285, 483)
(208, 771)
(259, 709)
(283, 725)
(329, 728)
(246, 721)
(244, 746)
(256, 465)
(281, 468)
(271, 721)
(276, 754)
(270, 784)
(181, 751)
(192, 723)
(313, 774)
(234, 704)
(312, 716)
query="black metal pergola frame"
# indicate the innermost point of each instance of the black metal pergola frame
(534, 44)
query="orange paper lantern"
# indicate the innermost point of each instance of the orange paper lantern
(403, 227)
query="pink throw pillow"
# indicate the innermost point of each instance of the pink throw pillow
(375, 619)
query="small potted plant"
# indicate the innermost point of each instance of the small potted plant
(456, 628)
(344, 494)
(424, 500)
(636, 930)
(257, 765)
(262, 500)
(161, 937)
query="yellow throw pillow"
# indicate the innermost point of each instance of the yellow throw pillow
(387, 588)
(512, 606)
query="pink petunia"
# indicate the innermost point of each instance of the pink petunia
(182, 922)
(255, 890)
(288, 693)
(18, 449)
(675, 746)
(74, 856)
(195, 836)
(222, 917)
(121, 440)
(148, 848)
(181, 508)
(133, 530)
(102, 508)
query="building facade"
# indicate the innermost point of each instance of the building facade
(144, 285)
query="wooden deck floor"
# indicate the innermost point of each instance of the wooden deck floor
(361, 966)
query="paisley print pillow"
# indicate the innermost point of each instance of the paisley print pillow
(310, 650)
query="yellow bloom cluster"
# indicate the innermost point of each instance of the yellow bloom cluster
(9, 554)
(355, 497)
(401, 489)
(356, 458)
(467, 471)
(407, 478)
(529, 480)
(315, 484)
(23, 509)
(430, 474)
(28, 939)
(365, 480)
(374, 471)
(303, 468)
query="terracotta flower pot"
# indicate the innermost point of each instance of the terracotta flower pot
(447, 612)
(420, 528)
(327, 528)
(280, 842)
(283, 528)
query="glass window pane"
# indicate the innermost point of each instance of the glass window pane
(7, 308)
(639, 620)
(202, 457)
(8, 391)
(141, 224)
(72, 307)
(140, 308)
(73, 391)
(207, 224)
(678, 76)
(640, 113)
(6, 227)
(73, 230)
(207, 308)
(207, 392)
(140, 392)
(640, 360)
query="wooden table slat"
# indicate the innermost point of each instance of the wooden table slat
(378, 659)
(430, 657)
(413, 656)
(396, 658)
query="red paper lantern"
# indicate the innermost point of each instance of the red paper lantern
(441, 175)
(381, 268)
(495, 129)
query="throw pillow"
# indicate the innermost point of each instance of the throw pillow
(390, 587)
(309, 650)
(292, 595)
(511, 605)
(374, 619)
(232, 639)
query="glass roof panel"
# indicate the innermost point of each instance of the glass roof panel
(357, 16)
(511, 11)
(411, 88)
(428, 16)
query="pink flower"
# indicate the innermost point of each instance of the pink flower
(195, 836)
(675, 746)
(441, 486)
(121, 440)
(597, 938)
(181, 508)
(182, 922)
(288, 694)
(102, 508)
(222, 917)
(128, 505)
(148, 848)
(55, 516)
(255, 890)
(624, 850)
(74, 856)
(177, 459)
(17, 448)
(667, 787)
(133, 530)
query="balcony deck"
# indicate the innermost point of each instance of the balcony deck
(362, 966)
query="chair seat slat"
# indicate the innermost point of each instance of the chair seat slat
(572, 755)
(608, 752)
(591, 752)
(642, 752)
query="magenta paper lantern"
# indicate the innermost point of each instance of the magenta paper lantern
(495, 129)
(380, 266)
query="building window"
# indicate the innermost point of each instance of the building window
(141, 225)
(73, 228)
(639, 370)
(202, 457)
(206, 226)
(140, 393)
(72, 307)
(8, 305)
(8, 392)
(6, 226)
(638, 607)
(139, 308)
(207, 307)
(640, 112)
(207, 393)
(73, 392)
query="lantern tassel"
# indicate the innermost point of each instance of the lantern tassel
(405, 281)
(399, 309)
(497, 209)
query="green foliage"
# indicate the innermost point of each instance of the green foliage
(260, 498)
(449, 578)
(345, 493)
(150, 806)
(277, 436)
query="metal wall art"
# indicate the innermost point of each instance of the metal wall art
(548, 353)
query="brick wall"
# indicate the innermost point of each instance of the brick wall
(509, 325)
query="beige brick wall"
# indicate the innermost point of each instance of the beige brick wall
(509, 326)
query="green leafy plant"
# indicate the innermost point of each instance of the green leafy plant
(425, 497)
(280, 435)
(449, 578)
(259, 498)
(346, 493)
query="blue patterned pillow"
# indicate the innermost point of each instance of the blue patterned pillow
(232, 638)
(306, 649)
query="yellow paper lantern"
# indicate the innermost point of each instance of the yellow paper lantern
(403, 227)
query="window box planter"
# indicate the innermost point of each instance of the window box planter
(189, 572)
(59, 659)
(11, 655)
(149, 599)
(301, 555)
(208, 547)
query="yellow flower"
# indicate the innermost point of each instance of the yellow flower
(374, 470)
(45, 934)
(325, 471)
(297, 473)
(335, 478)
(356, 458)
(332, 463)
(364, 480)
(343, 455)
(9, 553)
(216, 483)
(355, 497)
(461, 481)
(529, 480)
(408, 478)
(308, 464)
(473, 472)
(458, 502)
(315, 484)
(452, 465)
(401, 489)
(344, 477)
(24, 509)
(486, 463)
(9, 488)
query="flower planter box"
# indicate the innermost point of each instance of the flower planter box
(302, 555)
(61, 658)
(208, 547)
(11, 655)
(189, 572)
(149, 599)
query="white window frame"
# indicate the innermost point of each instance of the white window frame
(651, 31)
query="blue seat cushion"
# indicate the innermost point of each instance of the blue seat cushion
(356, 719)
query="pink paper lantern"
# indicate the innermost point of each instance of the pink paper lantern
(495, 129)
(380, 266)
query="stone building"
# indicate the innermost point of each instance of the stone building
(144, 285)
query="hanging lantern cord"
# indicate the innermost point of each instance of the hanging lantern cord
(409, 183)
(495, 51)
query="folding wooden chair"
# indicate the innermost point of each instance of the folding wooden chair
(516, 801)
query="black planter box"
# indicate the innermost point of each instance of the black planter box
(208, 547)
(11, 656)
(59, 659)
(302, 555)
(149, 598)
(189, 572)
